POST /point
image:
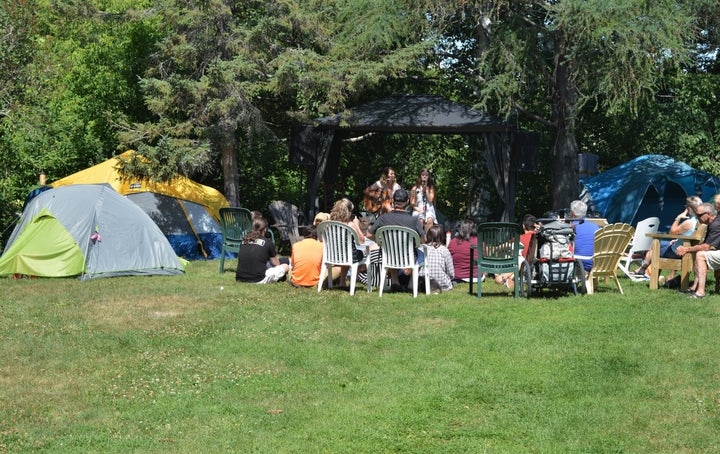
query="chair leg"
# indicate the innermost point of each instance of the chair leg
(590, 285)
(617, 282)
(323, 272)
(427, 283)
(479, 286)
(353, 278)
(383, 273)
(516, 273)
(222, 261)
(415, 280)
(717, 281)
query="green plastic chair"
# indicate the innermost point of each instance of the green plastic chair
(498, 251)
(234, 224)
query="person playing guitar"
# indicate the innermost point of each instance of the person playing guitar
(378, 196)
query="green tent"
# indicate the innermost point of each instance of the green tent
(45, 249)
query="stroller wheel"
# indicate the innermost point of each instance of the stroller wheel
(578, 281)
(525, 280)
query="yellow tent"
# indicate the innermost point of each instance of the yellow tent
(186, 211)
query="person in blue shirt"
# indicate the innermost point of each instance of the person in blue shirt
(584, 233)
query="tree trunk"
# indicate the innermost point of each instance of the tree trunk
(564, 186)
(231, 178)
(563, 170)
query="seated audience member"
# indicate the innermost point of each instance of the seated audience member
(257, 258)
(306, 260)
(685, 224)
(706, 254)
(342, 211)
(320, 217)
(529, 226)
(459, 248)
(716, 202)
(439, 261)
(401, 217)
(584, 233)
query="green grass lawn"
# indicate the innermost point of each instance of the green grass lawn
(158, 364)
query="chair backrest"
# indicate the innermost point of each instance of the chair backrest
(287, 217)
(235, 223)
(398, 245)
(610, 244)
(700, 231)
(339, 242)
(498, 245)
(640, 241)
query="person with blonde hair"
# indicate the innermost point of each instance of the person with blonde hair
(342, 211)
(685, 224)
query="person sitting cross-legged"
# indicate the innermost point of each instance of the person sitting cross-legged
(257, 258)
(306, 260)
(439, 261)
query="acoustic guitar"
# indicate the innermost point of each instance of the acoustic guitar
(378, 201)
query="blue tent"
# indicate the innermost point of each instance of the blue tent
(650, 185)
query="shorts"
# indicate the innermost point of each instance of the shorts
(273, 274)
(713, 260)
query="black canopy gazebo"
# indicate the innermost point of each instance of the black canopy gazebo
(318, 145)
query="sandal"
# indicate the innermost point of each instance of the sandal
(687, 290)
(695, 296)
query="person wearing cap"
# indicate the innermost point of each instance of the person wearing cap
(398, 216)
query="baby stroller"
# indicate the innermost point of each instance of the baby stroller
(550, 263)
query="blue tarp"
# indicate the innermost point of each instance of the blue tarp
(650, 185)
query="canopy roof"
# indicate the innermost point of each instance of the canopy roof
(419, 114)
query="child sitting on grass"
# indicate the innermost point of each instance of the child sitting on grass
(438, 262)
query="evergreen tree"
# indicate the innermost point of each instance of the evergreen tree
(550, 60)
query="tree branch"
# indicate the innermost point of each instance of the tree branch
(535, 117)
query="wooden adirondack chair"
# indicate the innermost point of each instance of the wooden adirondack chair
(611, 242)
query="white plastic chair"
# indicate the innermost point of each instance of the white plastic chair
(639, 244)
(398, 246)
(340, 242)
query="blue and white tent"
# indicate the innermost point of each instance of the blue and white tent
(650, 185)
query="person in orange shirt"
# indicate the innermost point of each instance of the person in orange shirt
(306, 259)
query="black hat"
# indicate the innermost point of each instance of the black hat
(401, 195)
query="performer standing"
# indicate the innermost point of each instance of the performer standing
(379, 195)
(422, 199)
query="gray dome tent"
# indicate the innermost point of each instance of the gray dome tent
(88, 231)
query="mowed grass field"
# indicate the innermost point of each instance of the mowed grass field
(200, 363)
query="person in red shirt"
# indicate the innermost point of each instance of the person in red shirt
(459, 247)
